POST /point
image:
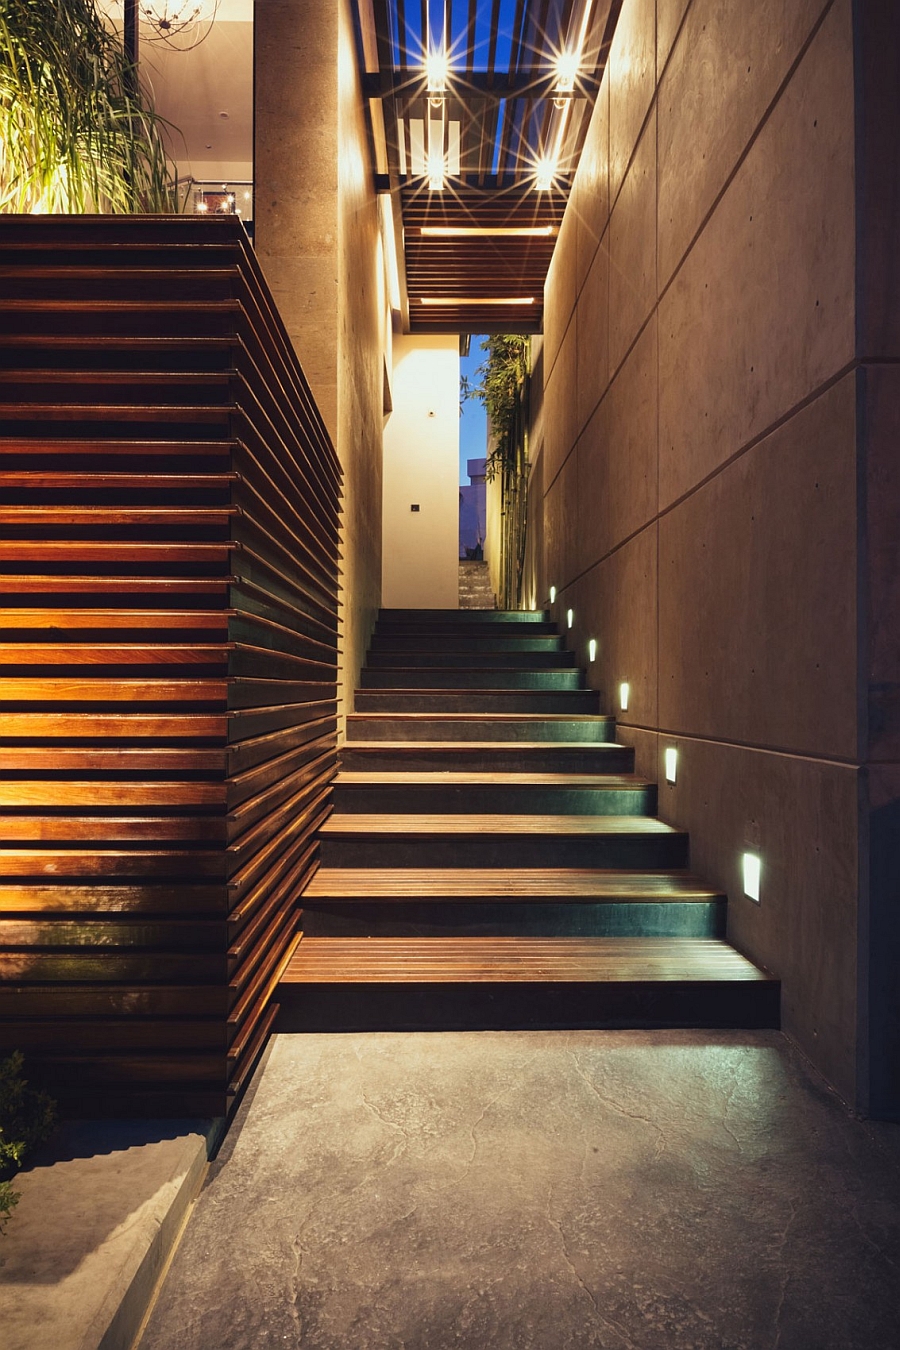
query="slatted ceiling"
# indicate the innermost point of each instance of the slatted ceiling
(501, 95)
(167, 664)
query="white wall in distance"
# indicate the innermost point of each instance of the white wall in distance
(420, 567)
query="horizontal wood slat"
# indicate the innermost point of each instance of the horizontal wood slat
(169, 574)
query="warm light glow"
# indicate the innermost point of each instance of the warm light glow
(437, 70)
(567, 64)
(434, 171)
(592, 649)
(751, 868)
(570, 618)
(553, 595)
(475, 300)
(486, 231)
(544, 173)
(671, 761)
(624, 691)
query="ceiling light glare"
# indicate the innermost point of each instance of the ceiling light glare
(567, 64)
(437, 69)
(434, 172)
(544, 174)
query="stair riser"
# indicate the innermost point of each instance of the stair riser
(483, 1007)
(550, 918)
(466, 646)
(425, 678)
(502, 701)
(513, 799)
(648, 853)
(463, 628)
(418, 618)
(376, 660)
(458, 758)
(362, 728)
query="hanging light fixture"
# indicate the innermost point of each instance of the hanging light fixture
(182, 24)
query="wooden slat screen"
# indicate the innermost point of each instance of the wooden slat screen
(168, 715)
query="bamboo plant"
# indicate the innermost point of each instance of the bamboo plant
(503, 389)
(78, 133)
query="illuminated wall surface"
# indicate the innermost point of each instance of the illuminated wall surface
(714, 493)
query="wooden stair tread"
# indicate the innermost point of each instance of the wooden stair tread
(518, 960)
(481, 747)
(364, 883)
(451, 778)
(440, 824)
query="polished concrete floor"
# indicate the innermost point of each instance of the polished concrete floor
(555, 1190)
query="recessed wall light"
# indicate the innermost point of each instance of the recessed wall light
(570, 618)
(624, 691)
(553, 595)
(671, 761)
(751, 867)
(592, 649)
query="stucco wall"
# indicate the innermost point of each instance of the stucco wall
(421, 467)
(699, 476)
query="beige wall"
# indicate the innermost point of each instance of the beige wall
(699, 473)
(421, 466)
(318, 242)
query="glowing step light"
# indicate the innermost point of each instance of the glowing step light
(624, 691)
(671, 762)
(570, 618)
(592, 650)
(751, 869)
(553, 595)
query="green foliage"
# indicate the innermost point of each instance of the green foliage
(77, 133)
(502, 380)
(26, 1118)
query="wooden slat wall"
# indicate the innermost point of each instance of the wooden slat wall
(168, 551)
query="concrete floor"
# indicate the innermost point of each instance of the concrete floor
(555, 1190)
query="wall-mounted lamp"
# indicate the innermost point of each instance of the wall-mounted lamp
(437, 69)
(751, 867)
(624, 691)
(671, 763)
(592, 649)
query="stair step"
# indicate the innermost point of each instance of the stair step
(378, 658)
(567, 902)
(496, 756)
(489, 793)
(484, 641)
(490, 982)
(500, 840)
(482, 700)
(474, 677)
(460, 617)
(472, 727)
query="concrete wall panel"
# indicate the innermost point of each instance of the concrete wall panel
(881, 429)
(559, 291)
(616, 604)
(723, 74)
(746, 332)
(799, 815)
(617, 456)
(632, 79)
(758, 612)
(592, 183)
(669, 14)
(632, 249)
(592, 338)
(560, 406)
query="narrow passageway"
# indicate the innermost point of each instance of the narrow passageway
(664, 1190)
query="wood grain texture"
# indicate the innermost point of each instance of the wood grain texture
(168, 657)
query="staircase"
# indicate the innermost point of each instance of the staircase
(492, 859)
(475, 585)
